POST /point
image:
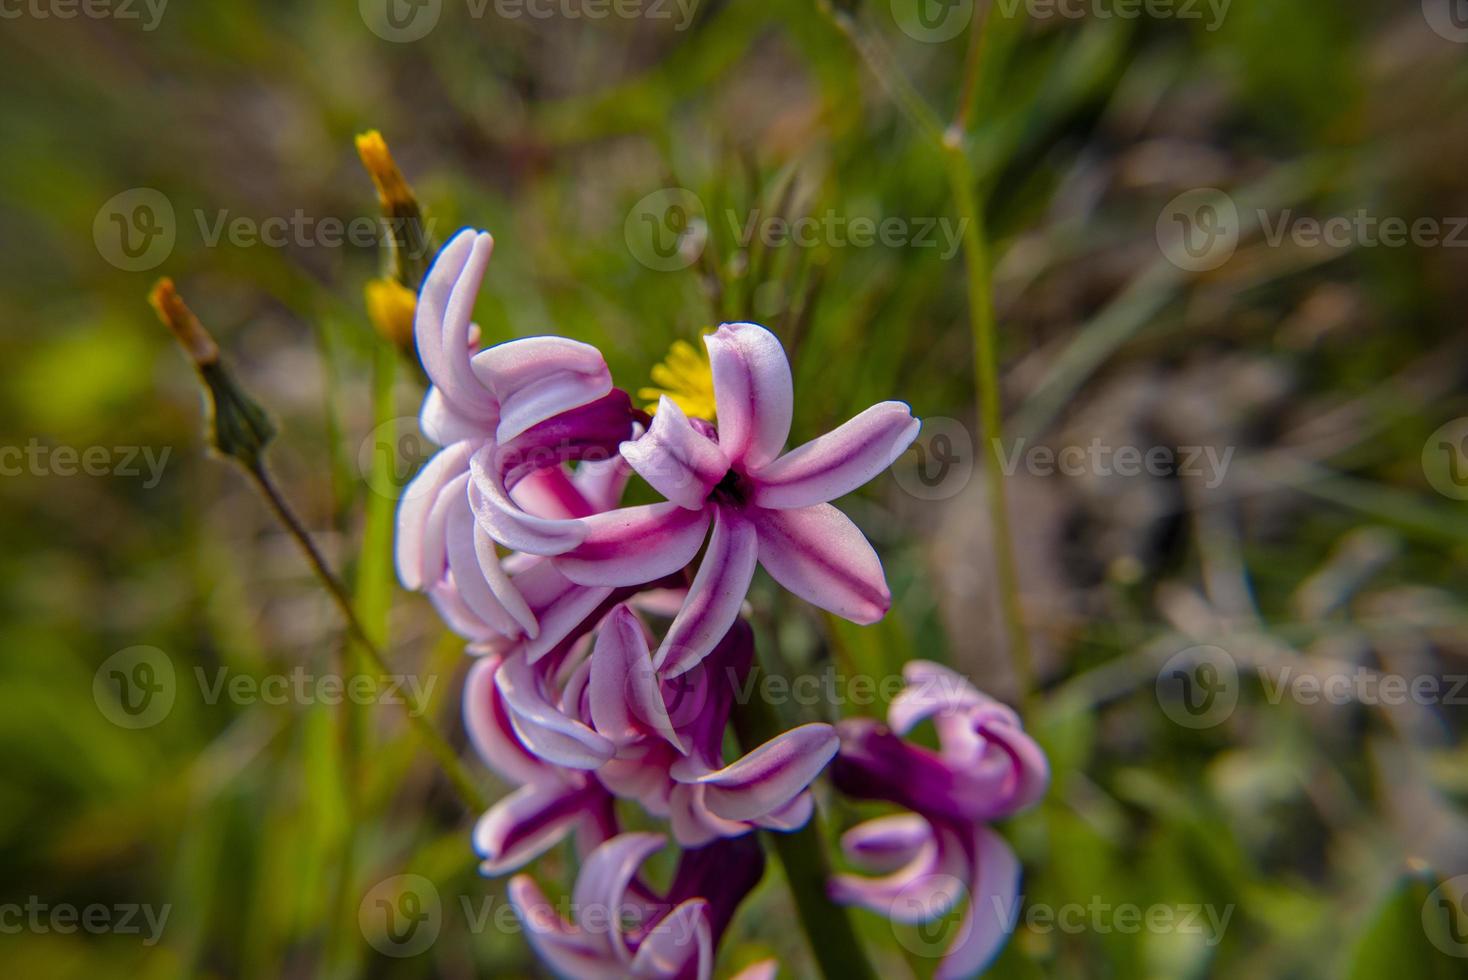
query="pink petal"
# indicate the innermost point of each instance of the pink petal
(489, 728)
(473, 578)
(753, 391)
(769, 777)
(679, 462)
(417, 501)
(558, 604)
(681, 939)
(507, 522)
(714, 598)
(601, 885)
(820, 555)
(791, 816)
(993, 907)
(626, 699)
(540, 725)
(693, 823)
(435, 553)
(839, 461)
(443, 424)
(525, 824)
(549, 492)
(886, 844)
(925, 888)
(501, 585)
(566, 950)
(442, 323)
(539, 377)
(601, 482)
(931, 688)
(633, 545)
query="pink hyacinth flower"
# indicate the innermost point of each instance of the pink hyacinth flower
(986, 768)
(765, 506)
(512, 399)
(623, 930)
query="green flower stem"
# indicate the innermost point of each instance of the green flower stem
(829, 932)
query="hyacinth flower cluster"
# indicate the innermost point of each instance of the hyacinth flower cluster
(516, 532)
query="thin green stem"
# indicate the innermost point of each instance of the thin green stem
(440, 749)
(833, 940)
(991, 427)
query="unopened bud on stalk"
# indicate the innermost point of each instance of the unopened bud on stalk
(238, 427)
(408, 247)
(390, 307)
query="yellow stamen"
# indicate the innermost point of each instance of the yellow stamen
(390, 307)
(392, 188)
(686, 377)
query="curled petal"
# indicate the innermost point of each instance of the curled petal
(601, 885)
(931, 689)
(479, 583)
(839, 461)
(993, 907)
(601, 482)
(558, 604)
(442, 324)
(753, 390)
(489, 727)
(714, 598)
(886, 843)
(694, 824)
(680, 462)
(791, 816)
(526, 824)
(551, 493)
(626, 699)
(565, 949)
(507, 522)
(444, 425)
(417, 502)
(542, 728)
(925, 888)
(633, 545)
(539, 377)
(768, 778)
(681, 939)
(820, 555)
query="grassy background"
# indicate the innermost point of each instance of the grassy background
(261, 827)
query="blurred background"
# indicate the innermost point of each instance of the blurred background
(1230, 264)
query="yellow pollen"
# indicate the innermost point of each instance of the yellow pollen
(686, 377)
